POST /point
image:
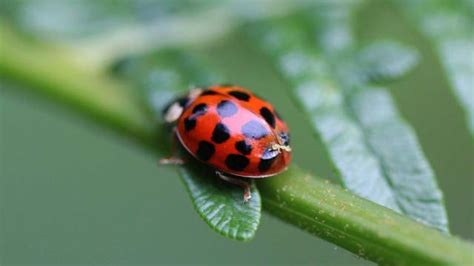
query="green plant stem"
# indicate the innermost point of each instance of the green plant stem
(317, 206)
(363, 227)
(52, 72)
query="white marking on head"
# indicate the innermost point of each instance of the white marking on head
(173, 113)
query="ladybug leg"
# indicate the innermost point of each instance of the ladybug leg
(173, 159)
(238, 182)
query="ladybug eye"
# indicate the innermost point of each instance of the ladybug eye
(183, 101)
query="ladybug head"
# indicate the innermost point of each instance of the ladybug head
(175, 108)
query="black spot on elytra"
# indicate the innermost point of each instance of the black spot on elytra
(236, 162)
(254, 129)
(268, 116)
(226, 108)
(220, 133)
(240, 95)
(243, 147)
(267, 159)
(199, 109)
(205, 150)
(285, 137)
(189, 123)
(208, 92)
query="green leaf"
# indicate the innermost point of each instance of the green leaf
(61, 20)
(375, 151)
(380, 61)
(220, 204)
(448, 25)
(161, 76)
(394, 144)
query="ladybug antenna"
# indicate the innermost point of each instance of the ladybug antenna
(280, 147)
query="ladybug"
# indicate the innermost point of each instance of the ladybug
(232, 130)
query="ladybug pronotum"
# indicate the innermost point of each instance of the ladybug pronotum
(232, 130)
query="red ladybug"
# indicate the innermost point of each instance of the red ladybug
(232, 130)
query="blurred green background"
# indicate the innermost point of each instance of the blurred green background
(74, 193)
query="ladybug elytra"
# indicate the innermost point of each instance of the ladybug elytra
(232, 130)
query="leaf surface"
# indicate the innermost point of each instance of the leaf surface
(220, 204)
(62, 20)
(380, 61)
(449, 26)
(374, 150)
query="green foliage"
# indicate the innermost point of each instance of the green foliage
(297, 197)
(334, 80)
(221, 205)
(375, 151)
(378, 62)
(59, 20)
(90, 94)
(449, 26)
